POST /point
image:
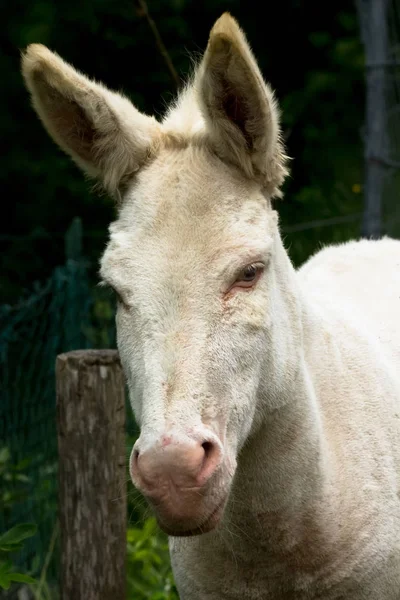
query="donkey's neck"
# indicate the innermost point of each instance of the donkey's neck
(284, 464)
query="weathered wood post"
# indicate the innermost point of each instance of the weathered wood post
(373, 16)
(92, 478)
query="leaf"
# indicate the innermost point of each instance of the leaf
(10, 547)
(23, 464)
(134, 534)
(22, 477)
(5, 565)
(21, 578)
(4, 578)
(4, 454)
(7, 575)
(4, 581)
(17, 534)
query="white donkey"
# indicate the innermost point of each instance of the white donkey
(268, 399)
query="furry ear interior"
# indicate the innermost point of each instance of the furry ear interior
(239, 108)
(101, 130)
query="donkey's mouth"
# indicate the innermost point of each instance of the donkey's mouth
(205, 526)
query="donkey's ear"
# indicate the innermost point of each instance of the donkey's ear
(101, 130)
(239, 107)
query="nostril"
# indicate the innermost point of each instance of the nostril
(208, 448)
(141, 470)
(211, 460)
(134, 461)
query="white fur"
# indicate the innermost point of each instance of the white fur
(298, 377)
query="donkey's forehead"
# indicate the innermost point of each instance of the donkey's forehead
(190, 189)
(188, 206)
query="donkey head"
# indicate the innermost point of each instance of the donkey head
(189, 258)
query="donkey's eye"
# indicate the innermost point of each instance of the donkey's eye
(250, 273)
(249, 276)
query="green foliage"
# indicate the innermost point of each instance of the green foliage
(101, 331)
(15, 489)
(148, 566)
(323, 117)
(13, 481)
(10, 542)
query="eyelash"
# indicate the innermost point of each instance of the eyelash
(241, 281)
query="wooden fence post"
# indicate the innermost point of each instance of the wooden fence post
(92, 477)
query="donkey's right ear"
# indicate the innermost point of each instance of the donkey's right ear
(101, 130)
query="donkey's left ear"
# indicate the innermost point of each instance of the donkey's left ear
(239, 107)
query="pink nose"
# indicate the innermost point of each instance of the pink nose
(183, 462)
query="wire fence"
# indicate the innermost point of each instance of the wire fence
(55, 318)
